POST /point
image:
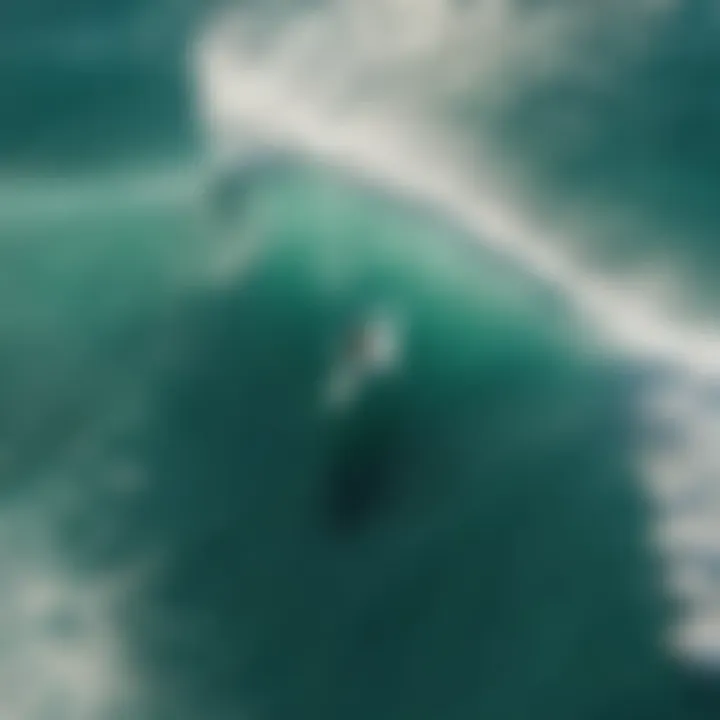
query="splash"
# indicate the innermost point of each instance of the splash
(354, 85)
(62, 653)
(250, 97)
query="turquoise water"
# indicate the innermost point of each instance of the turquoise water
(224, 496)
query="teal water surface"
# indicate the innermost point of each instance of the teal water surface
(192, 528)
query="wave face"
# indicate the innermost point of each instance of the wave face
(354, 364)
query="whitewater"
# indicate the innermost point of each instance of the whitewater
(271, 99)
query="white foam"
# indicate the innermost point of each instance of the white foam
(346, 86)
(62, 650)
(262, 96)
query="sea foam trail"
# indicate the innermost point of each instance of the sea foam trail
(270, 97)
(36, 204)
(244, 98)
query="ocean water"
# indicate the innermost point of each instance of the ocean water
(359, 360)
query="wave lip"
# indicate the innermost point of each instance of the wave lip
(271, 97)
